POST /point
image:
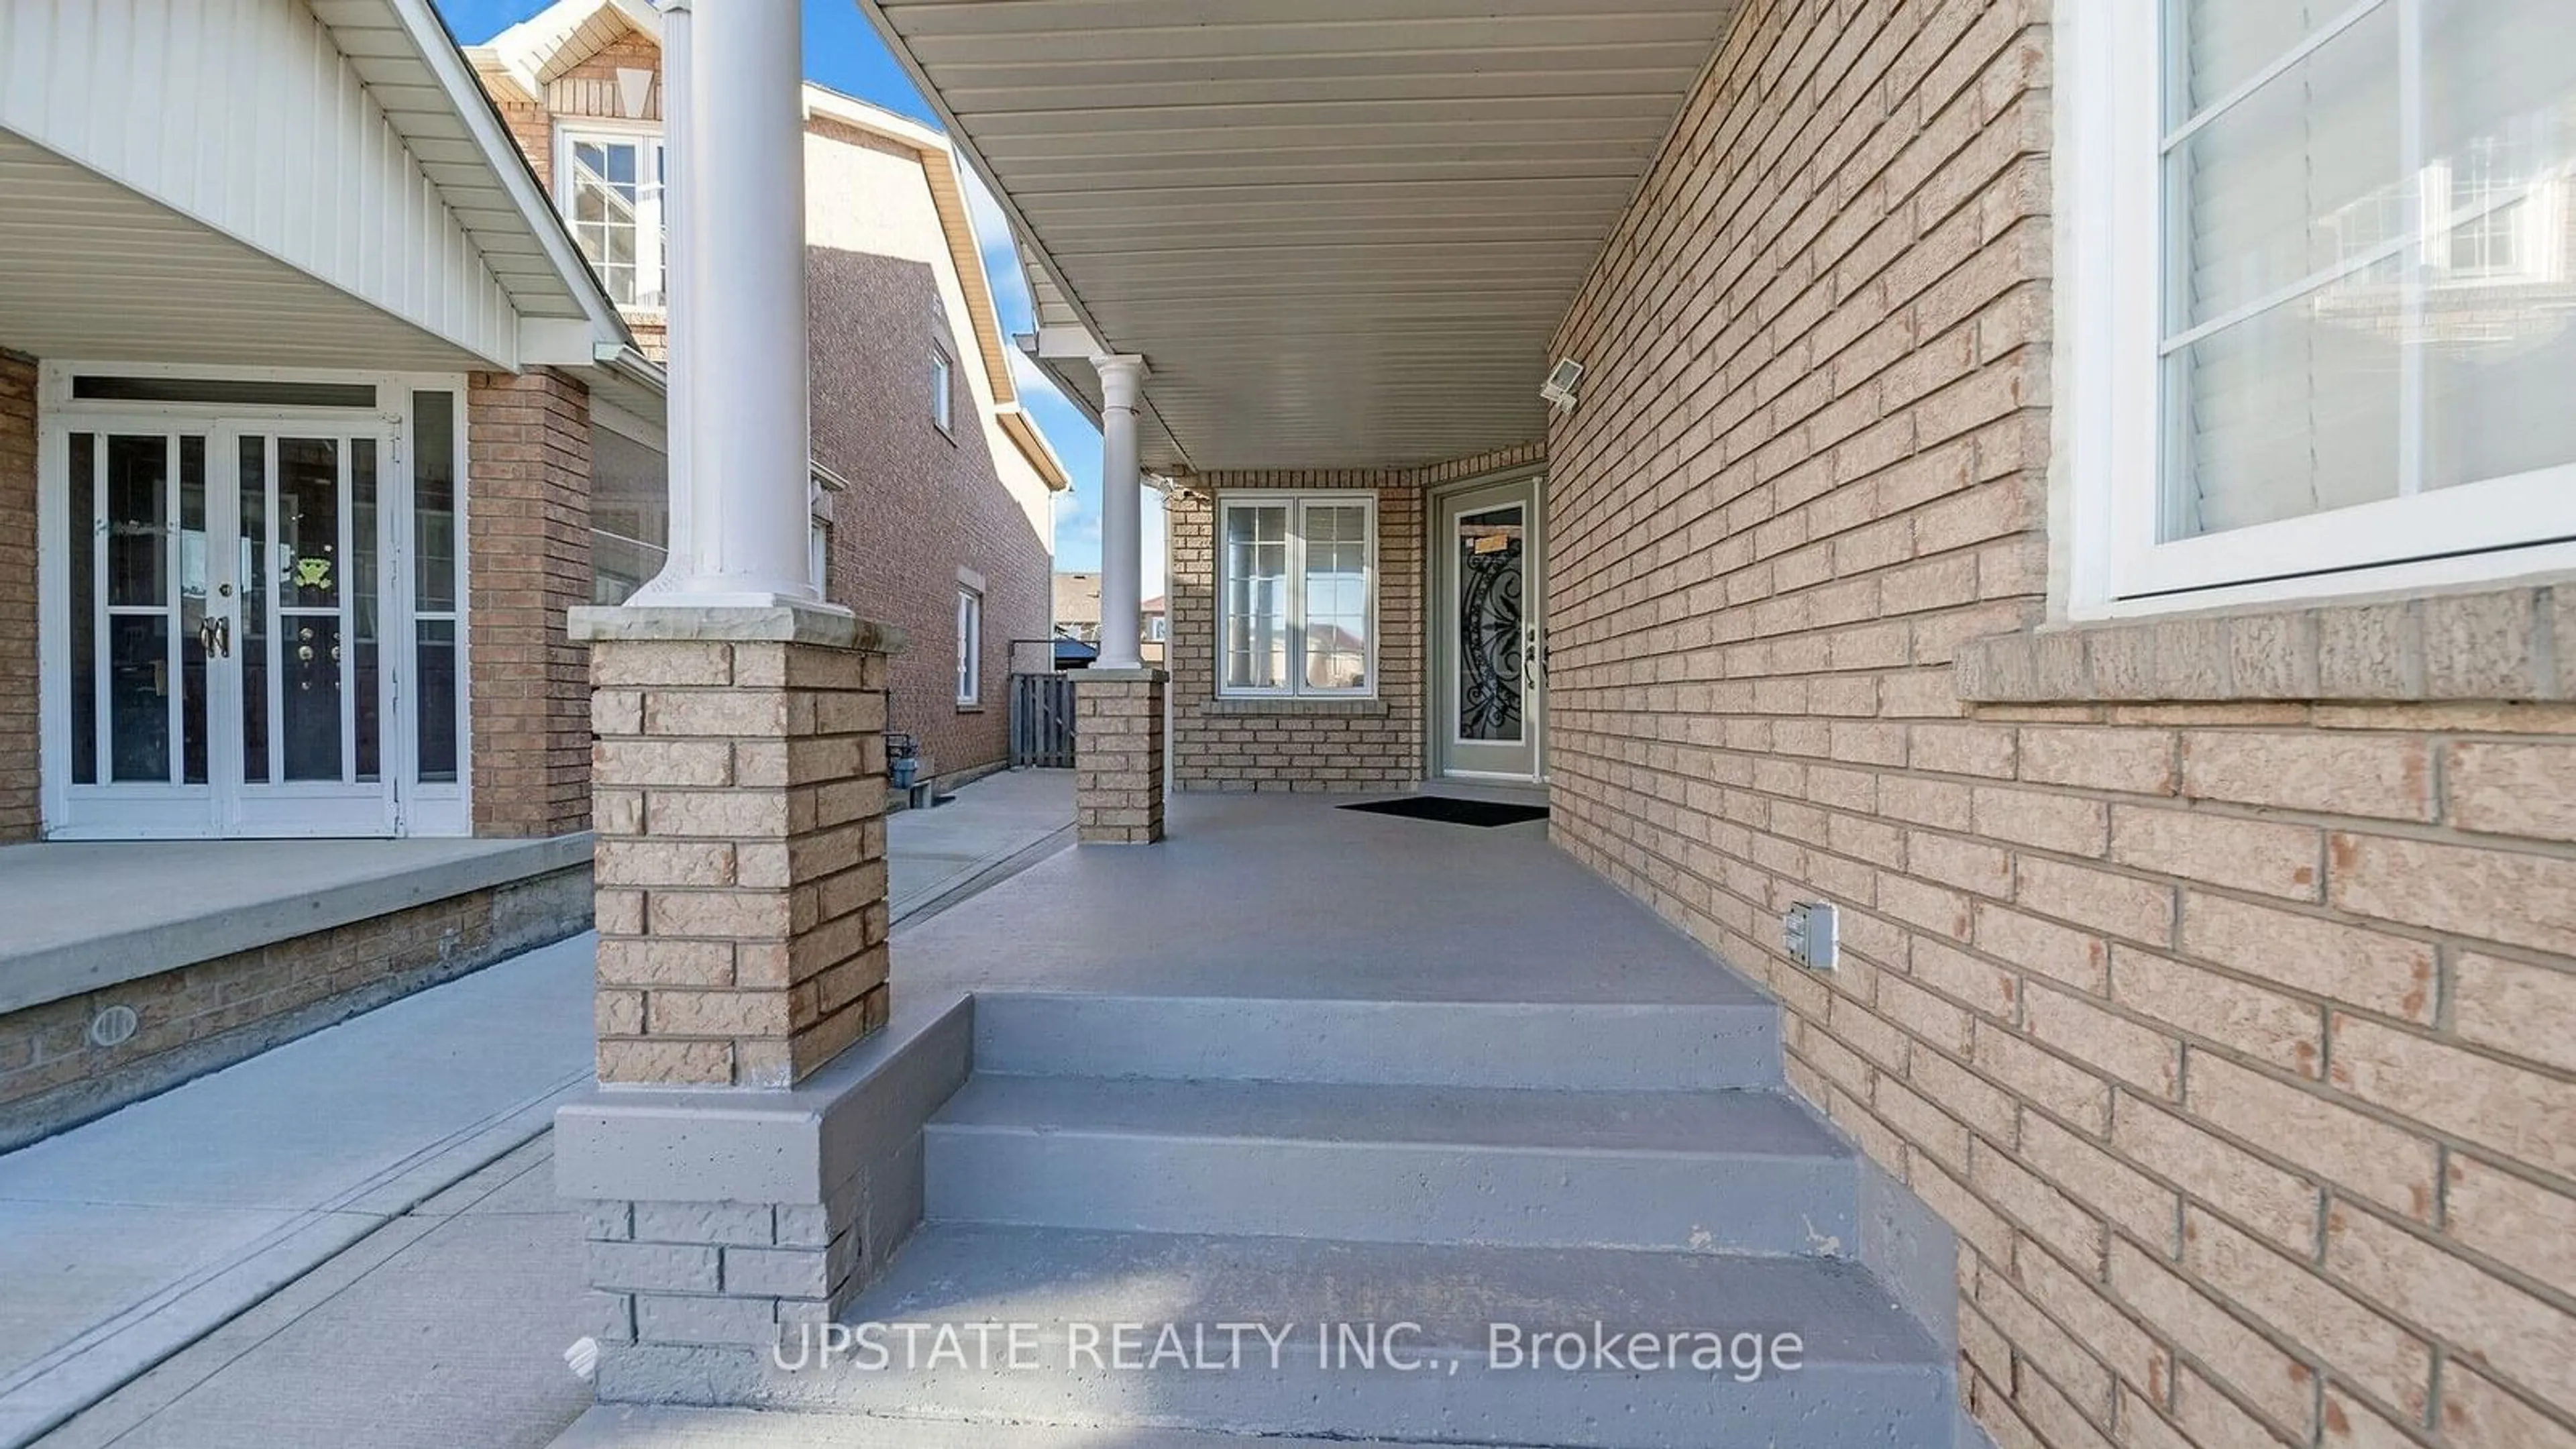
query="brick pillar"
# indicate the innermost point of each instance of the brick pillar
(1118, 756)
(740, 771)
(527, 564)
(19, 749)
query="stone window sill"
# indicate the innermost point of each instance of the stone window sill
(2506, 645)
(1366, 708)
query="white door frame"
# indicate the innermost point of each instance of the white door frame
(1443, 749)
(225, 804)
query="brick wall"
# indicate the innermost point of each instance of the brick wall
(528, 560)
(923, 503)
(1318, 744)
(209, 1015)
(19, 808)
(2226, 1017)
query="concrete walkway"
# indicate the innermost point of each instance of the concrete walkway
(354, 1237)
(987, 831)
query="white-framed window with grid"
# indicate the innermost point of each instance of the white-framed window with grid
(1297, 594)
(2322, 297)
(609, 183)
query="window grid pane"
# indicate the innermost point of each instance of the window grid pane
(1294, 603)
(2372, 308)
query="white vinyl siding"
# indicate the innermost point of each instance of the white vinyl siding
(258, 127)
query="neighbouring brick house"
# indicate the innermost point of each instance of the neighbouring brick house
(2177, 701)
(934, 496)
(296, 450)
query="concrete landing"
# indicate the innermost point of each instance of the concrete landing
(1288, 896)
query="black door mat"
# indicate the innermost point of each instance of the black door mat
(1454, 812)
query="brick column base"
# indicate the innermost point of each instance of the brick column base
(739, 789)
(1118, 756)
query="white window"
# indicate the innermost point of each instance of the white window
(1297, 579)
(2323, 281)
(942, 391)
(970, 646)
(611, 185)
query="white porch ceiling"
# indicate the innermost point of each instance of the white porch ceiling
(1339, 231)
(96, 272)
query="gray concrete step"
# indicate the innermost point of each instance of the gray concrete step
(1462, 1322)
(638, 1426)
(1723, 1172)
(1577, 1045)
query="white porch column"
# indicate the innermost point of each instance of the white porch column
(1122, 513)
(739, 423)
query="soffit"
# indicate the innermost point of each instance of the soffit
(97, 272)
(1340, 232)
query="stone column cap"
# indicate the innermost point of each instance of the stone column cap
(1121, 676)
(784, 623)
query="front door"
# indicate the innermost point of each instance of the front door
(1490, 641)
(226, 623)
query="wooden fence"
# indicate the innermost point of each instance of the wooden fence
(1042, 721)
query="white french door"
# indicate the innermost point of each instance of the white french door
(230, 629)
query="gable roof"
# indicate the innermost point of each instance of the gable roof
(957, 224)
(532, 54)
(538, 50)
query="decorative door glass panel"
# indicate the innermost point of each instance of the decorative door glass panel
(1490, 583)
(433, 532)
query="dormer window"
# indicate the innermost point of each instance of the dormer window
(611, 191)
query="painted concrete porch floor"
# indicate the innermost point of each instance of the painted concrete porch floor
(1290, 896)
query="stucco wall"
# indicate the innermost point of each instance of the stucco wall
(2226, 1014)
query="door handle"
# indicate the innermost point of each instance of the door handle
(215, 637)
(1534, 650)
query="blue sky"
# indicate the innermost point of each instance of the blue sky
(843, 52)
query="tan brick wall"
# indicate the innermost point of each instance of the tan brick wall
(2232, 1036)
(528, 561)
(19, 808)
(1289, 744)
(741, 859)
(212, 1014)
(1118, 762)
